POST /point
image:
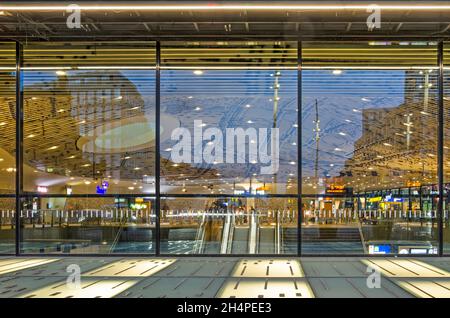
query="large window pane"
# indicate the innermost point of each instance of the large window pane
(446, 221)
(233, 107)
(229, 226)
(369, 128)
(89, 117)
(7, 145)
(88, 225)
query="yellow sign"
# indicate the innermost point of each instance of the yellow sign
(334, 188)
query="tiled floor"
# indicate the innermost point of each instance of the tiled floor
(224, 277)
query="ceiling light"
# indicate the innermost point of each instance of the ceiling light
(337, 72)
(198, 72)
(60, 73)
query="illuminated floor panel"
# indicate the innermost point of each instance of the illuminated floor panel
(354, 287)
(405, 268)
(179, 287)
(16, 286)
(265, 288)
(334, 268)
(61, 266)
(8, 266)
(224, 277)
(199, 268)
(131, 268)
(430, 288)
(89, 288)
(268, 268)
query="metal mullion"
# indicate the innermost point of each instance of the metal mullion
(19, 143)
(440, 146)
(157, 149)
(299, 148)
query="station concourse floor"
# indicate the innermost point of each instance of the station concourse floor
(224, 277)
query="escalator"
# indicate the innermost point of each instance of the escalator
(229, 235)
(266, 240)
(239, 244)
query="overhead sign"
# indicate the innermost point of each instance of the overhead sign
(335, 189)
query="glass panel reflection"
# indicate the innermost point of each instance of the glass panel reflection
(229, 112)
(89, 122)
(229, 226)
(369, 148)
(73, 225)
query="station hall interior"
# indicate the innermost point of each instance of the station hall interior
(87, 117)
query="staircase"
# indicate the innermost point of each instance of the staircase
(332, 239)
(289, 240)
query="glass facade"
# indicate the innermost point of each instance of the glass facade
(225, 148)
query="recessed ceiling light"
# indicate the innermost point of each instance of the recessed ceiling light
(61, 73)
(337, 72)
(198, 72)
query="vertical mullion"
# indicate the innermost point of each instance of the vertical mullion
(157, 148)
(299, 148)
(19, 142)
(440, 145)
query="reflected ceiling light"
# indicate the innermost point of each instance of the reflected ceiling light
(190, 97)
(342, 133)
(387, 144)
(2, 123)
(33, 98)
(248, 106)
(134, 108)
(292, 162)
(52, 148)
(137, 168)
(87, 182)
(168, 149)
(130, 188)
(337, 72)
(197, 108)
(118, 98)
(86, 165)
(364, 99)
(356, 110)
(198, 72)
(337, 149)
(60, 73)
